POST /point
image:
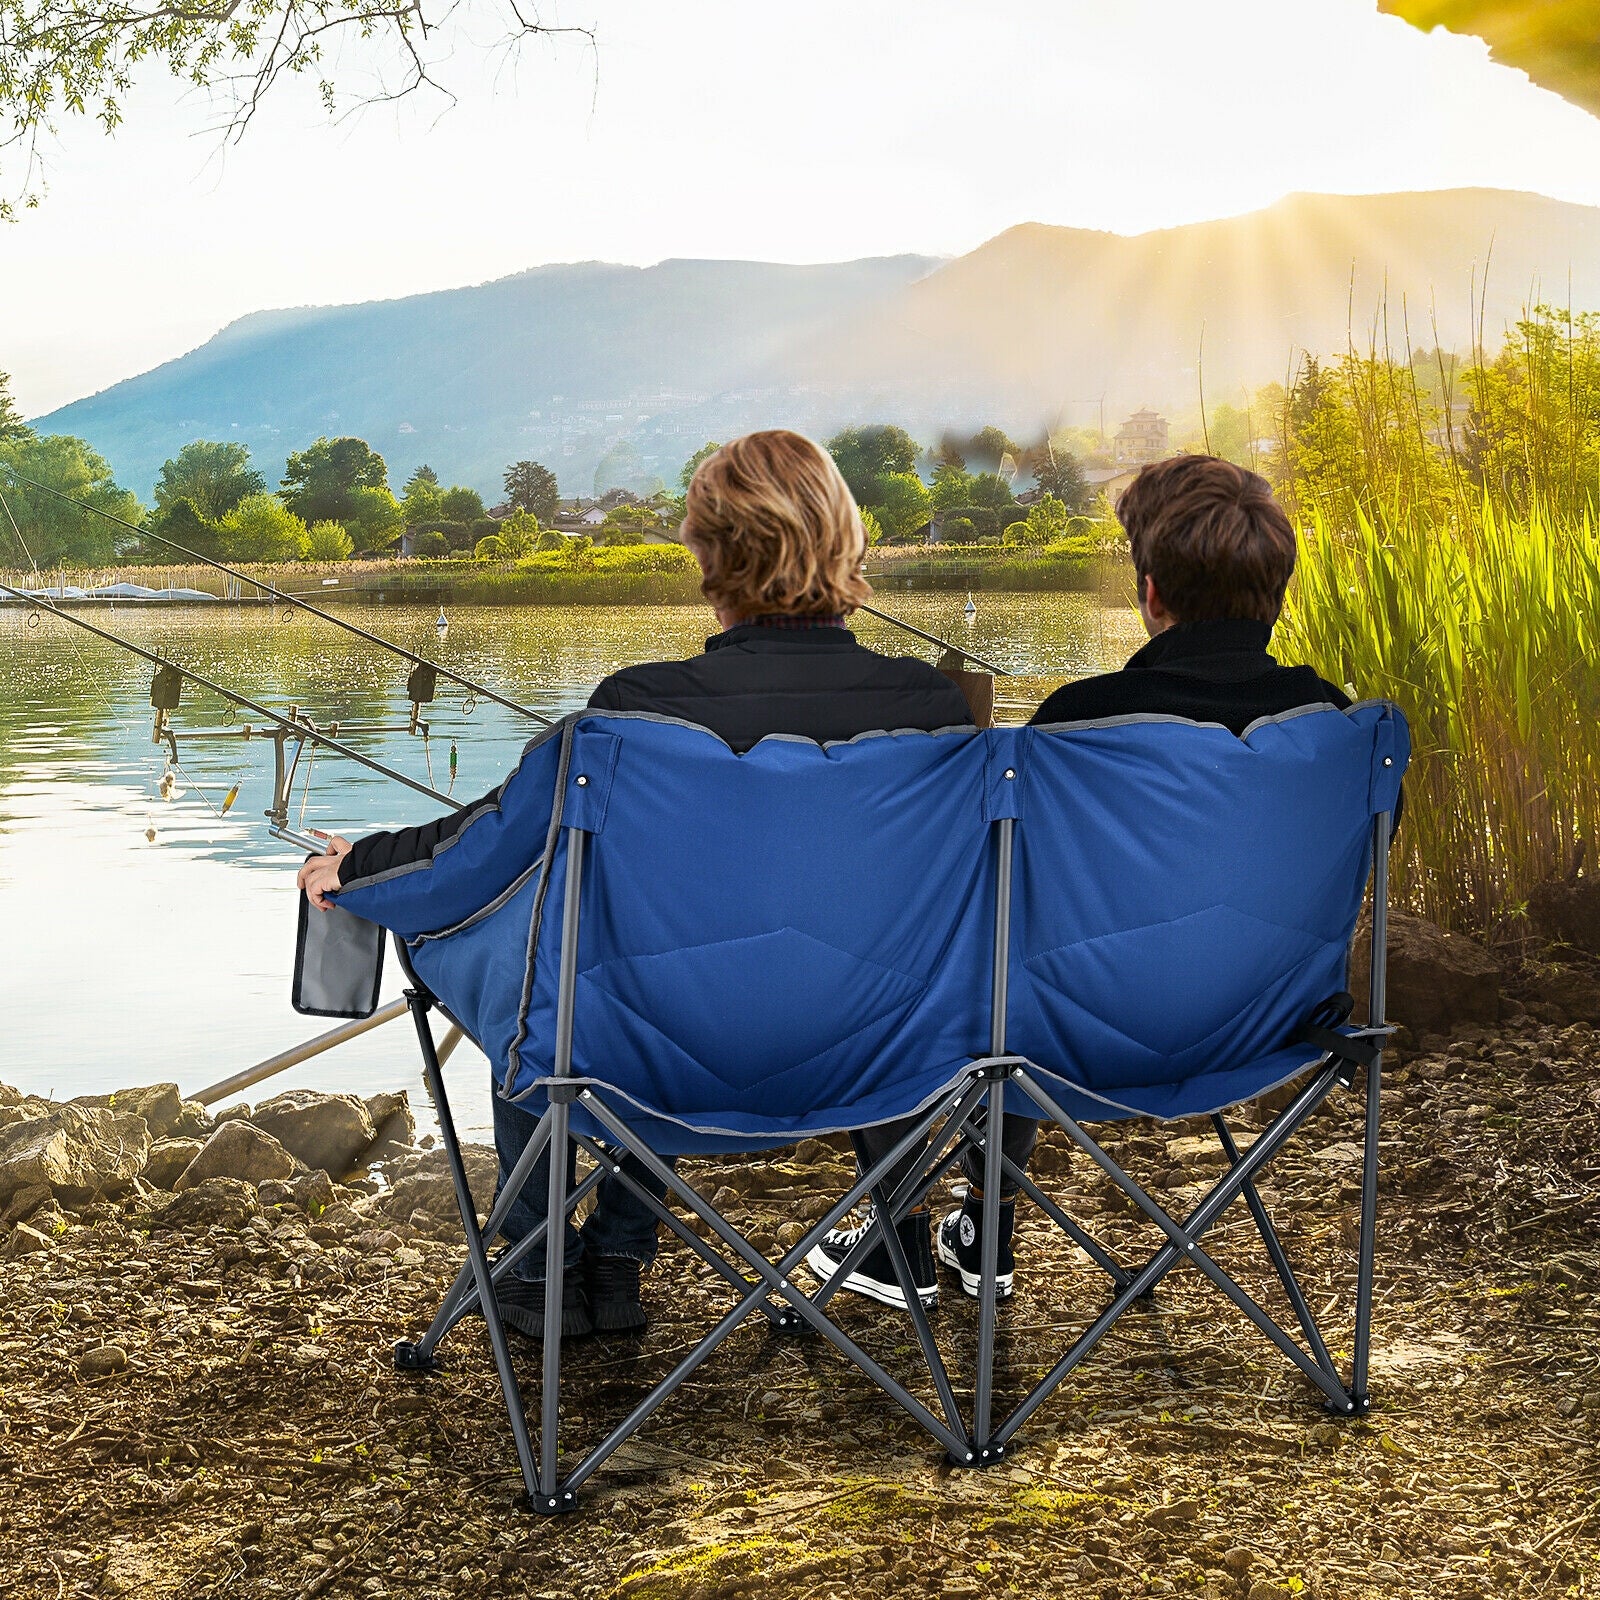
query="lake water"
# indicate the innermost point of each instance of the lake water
(125, 961)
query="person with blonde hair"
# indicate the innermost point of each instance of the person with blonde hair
(780, 546)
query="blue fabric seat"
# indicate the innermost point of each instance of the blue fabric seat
(660, 943)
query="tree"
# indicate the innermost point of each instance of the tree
(901, 504)
(320, 482)
(430, 546)
(327, 541)
(952, 486)
(866, 455)
(460, 505)
(629, 524)
(375, 519)
(990, 490)
(989, 447)
(421, 500)
(212, 476)
(79, 57)
(518, 535)
(1048, 522)
(262, 528)
(12, 427)
(1060, 474)
(531, 487)
(52, 530)
(487, 548)
(870, 525)
(692, 465)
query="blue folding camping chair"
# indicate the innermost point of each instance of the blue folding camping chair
(663, 948)
(1181, 908)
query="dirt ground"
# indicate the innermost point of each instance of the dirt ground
(213, 1411)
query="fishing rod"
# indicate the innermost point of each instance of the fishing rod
(400, 650)
(295, 726)
(292, 599)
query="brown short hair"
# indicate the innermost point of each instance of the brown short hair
(776, 529)
(1211, 535)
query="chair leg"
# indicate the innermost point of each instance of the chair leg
(1360, 1397)
(988, 1265)
(476, 1253)
(550, 1497)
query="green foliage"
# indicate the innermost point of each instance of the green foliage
(322, 481)
(628, 524)
(518, 535)
(692, 465)
(12, 426)
(955, 529)
(375, 518)
(487, 548)
(212, 476)
(870, 525)
(991, 491)
(262, 528)
(51, 530)
(1048, 522)
(180, 522)
(430, 546)
(867, 456)
(901, 504)
(327, 541)
(460, 504)
(952, 486)
(1488, 637)
(531, 487)
(422, 502)
(550, 539)
(1059, 473)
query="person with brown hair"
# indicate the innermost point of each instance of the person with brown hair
(780, 546)
(1213, 553)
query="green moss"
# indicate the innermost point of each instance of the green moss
(683, 1571)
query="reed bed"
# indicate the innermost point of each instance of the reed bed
(1485, 630)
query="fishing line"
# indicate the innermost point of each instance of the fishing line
(289, 599)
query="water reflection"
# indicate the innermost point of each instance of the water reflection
(123, 961)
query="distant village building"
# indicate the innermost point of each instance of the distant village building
(1141, 439)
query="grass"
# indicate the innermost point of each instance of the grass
(1486, 631)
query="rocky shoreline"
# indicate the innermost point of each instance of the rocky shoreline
(196, 1395)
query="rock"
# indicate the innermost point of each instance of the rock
(312, 1192)
(1567, 913)
(1240, 1559)
(1262, 1590)
(26, 1241)
(1196, 1152)
(394, 1127)
(194, 1121)
(77, 1152)
(217, 1202)
(328, 1131)
(24, 1203)
(237, 1150)
(431, 1193)
(1574, 992)
(159, 1104)
(101, 1363)
(168, 1159)
(1437, 980)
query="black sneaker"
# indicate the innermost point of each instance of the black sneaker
(614, 1294)
(873, 1275)
(522, 1306)
(960, 1245)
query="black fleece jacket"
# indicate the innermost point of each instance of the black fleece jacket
(753, 680)
(1206, 671)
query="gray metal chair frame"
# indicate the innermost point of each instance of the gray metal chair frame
(980, 1086)
(551, 1485)
(1337, 1069)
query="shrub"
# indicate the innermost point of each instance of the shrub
(430, 546)
(327, 541)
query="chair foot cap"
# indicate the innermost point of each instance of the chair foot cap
(976, 1459)
(559, 1504)
(409, 1357)
(789, 1321)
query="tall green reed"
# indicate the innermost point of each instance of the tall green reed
(1485, 629)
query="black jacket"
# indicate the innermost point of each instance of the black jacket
(1207, 671)
(752, 680)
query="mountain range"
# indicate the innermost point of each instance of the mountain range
(1041, 325)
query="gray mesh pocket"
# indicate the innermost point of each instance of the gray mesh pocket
(338, 963)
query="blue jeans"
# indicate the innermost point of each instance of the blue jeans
(620, 1224)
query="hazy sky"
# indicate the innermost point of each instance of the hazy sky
(814, 131)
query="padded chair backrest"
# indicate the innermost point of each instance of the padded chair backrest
(1183, 898)
(775, 942)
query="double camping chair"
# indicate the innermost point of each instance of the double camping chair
(666, 948)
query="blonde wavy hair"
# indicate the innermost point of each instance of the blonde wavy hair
(776, 529)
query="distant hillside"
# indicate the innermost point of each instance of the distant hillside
(1043, 321)
(552, 363)
(1040, 324)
